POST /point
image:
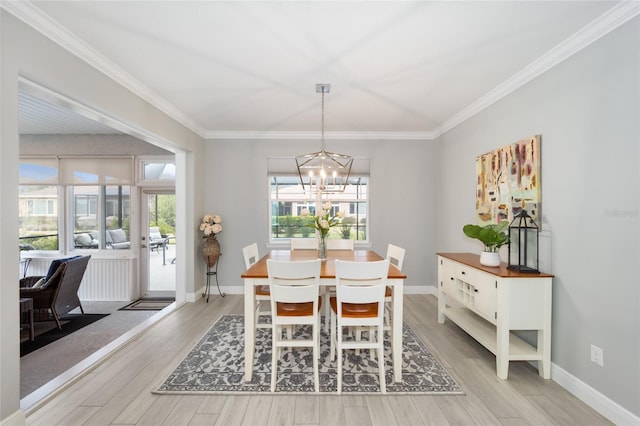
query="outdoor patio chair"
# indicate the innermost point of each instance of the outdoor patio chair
(117, 239)
(156, 239)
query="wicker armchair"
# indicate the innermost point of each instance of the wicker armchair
(57, 293)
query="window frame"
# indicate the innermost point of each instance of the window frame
(318, 199)
(65, 208)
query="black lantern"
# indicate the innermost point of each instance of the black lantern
(523, 243)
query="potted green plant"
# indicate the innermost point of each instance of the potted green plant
(492, 237)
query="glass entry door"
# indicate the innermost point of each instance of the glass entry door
(158, 245)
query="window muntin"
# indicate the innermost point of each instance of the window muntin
(288, 199)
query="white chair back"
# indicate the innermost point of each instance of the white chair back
(361, 282)
(304, 244)
(295, 288)
(294, 282)
(395, 255)
(340, 245)
(250, 254)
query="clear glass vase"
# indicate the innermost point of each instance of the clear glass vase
(322, 248)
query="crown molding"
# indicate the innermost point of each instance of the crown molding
(284, 135)
(604, 24)
(41, 22)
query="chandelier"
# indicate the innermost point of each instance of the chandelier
(323, 171)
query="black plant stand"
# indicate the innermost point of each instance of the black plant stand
(213, 272)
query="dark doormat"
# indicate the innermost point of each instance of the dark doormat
(47, 332)
(151, 304)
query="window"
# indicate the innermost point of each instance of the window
(38, 217)
(89, 204)
(96, 193)
(156, 170)
(288, 199)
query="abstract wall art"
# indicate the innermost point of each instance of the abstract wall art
(508, 179)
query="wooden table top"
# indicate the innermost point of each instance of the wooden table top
(473, 260)
(328, 270)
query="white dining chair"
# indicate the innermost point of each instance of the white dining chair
(330, 290)
(262, 293)
(359, 302)
(295, 300)
(340, 245)
(395, 255)
(303, 244)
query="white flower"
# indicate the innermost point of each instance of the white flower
(324, 224)
(327, 206)
(304, 212)
(339, 215)
(211, 224)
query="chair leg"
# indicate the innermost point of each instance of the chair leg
(383, 385)
(274, 356)
(80, 306)
(333, 339)
(340, 354)
(55, 317)
(315, 351)
(327, 309)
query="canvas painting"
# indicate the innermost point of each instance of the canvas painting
(508, 179)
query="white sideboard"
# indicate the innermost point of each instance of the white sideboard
(489, 303)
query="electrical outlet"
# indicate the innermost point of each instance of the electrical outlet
(597, 356)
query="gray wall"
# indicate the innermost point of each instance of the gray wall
(402, 197)
(587, 111)
(25, 52)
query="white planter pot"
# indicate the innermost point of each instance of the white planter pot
(490, 258)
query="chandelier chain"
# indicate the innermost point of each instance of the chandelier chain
(322, 122)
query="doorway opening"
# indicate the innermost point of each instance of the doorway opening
(159, 240)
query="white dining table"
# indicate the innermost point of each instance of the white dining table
(257, 275)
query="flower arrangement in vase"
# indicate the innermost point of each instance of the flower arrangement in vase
(211, 226)
(323, 222)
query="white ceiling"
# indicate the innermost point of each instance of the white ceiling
(407, 69)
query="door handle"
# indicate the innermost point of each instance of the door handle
(143, 246)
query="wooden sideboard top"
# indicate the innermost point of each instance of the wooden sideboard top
(473, 260)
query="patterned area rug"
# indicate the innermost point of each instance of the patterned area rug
(216, 366)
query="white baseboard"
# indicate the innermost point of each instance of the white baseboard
(18, 418)
(599, 402)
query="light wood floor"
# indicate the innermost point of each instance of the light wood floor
(118, 391)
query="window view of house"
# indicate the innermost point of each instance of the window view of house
(38, 217)
(97, 213)
(288, 199)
